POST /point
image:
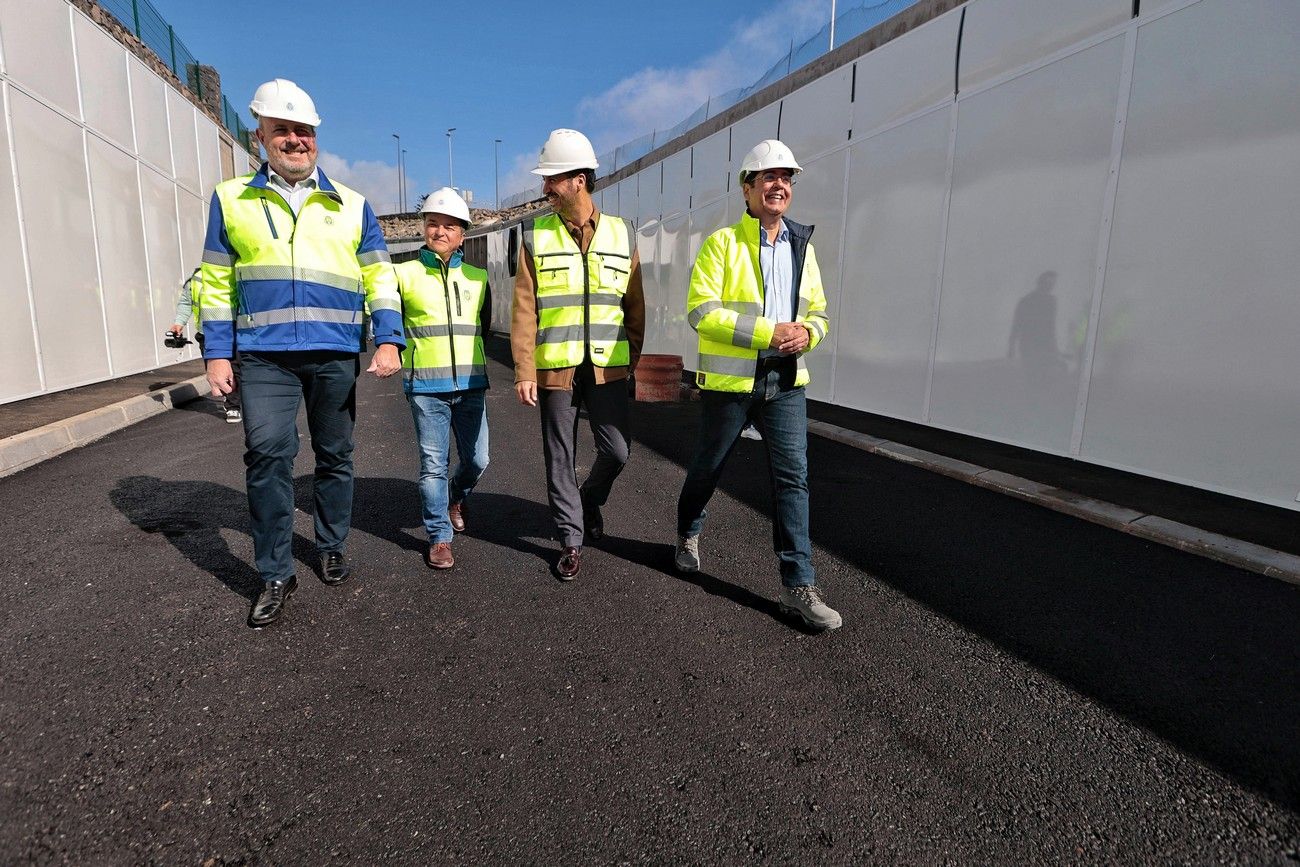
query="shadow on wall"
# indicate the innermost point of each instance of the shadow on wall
(1200, 654)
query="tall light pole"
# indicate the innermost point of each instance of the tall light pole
(496, 169)
(832, 26)
(405, 201)
(400, 185)
(451, 175)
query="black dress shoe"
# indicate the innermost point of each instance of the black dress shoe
(569, 563)
(270, 604)
(593, 523)
(335, 569)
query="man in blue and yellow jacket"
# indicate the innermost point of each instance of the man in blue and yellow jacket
(290, 263)
(757, 303)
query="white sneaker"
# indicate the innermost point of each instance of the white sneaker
(807, 602)
(751, 433)
(687, 558)
(234, 416)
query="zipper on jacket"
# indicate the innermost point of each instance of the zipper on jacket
(451, 334)
(269, 221)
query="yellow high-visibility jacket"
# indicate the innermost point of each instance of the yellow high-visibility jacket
(725, 304)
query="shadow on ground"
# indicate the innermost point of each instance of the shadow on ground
(1203, 655)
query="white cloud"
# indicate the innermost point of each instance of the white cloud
(374, 179)
(653, 98)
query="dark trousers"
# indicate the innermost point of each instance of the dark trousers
(607, 413)
(779, 409)
(275, 384)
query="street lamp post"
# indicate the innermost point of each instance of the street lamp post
(496, 169)
(400, 185)
(405, 200)
(832, 45)
(451, 175)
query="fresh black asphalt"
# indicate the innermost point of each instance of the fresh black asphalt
(1010, 686)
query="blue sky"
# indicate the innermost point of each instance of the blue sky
(507, 70)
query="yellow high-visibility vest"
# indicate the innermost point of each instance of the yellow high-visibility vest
(580, 298)
(441, 302)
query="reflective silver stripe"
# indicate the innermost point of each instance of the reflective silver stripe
(609, 299)
(604, 331)
(446, 372)
(559, 334)
(753, 308)
(286, 272)
(816, 325)
(385, 304)
(744, 334)
(803, 305)
(440, 330)
(212, 314)
(696, 315)
(373, 257)
(800, 364)
(549, 302)
(728, 366)
(298, 314)
(214, 257)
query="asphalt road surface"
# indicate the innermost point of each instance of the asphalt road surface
(1010, 686)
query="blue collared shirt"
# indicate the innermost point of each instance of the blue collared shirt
(777, 263)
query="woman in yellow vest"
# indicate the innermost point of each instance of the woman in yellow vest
(445, 309)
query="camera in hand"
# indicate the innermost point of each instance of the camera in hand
(175, 341)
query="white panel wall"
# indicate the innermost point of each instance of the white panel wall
(88, 270)
(123, 272)
(816, 117)
(896, 196)
(37, 37)
(906, 75)
(105, 91)
(50, 156)
(676, 196)
(711, 161)
(1197, 371)
(18, 357)
(1002, 35)
(1090, 250)
(149, 104)
(1029, 178)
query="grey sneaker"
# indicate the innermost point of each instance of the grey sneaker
(807, 602)
(751, 433)
(234, 416)
(687, 558)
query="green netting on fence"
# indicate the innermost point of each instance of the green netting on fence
(142, 19)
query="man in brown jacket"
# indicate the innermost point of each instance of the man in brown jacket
(576, 333)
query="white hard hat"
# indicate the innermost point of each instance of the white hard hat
(446, 201)
(564, 151)
(283, 99)
(768, 154)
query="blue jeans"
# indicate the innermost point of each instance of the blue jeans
(274, 385)
(779, 409)
(437, 417)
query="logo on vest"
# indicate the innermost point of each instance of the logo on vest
(329, 221)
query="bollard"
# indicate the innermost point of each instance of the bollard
(659, 378)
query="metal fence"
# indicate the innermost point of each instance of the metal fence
(848, 24)
(142, 19)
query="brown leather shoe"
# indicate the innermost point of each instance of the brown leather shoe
(456, 514)
(439, 556)
(569, 563)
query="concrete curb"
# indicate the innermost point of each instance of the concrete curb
(1153, 528)
(23, 450)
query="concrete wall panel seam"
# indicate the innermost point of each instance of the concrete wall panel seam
(943, 256)
(22, 235)
(1104, 236)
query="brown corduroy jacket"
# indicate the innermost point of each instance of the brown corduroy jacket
(523, 318)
